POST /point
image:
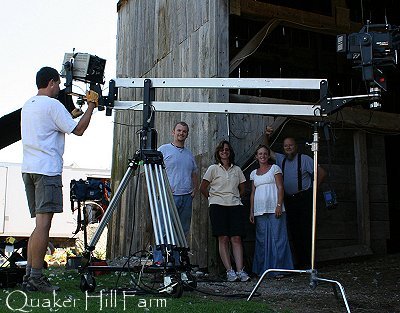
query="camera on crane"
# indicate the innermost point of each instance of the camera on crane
(372, 49)
(84, 67)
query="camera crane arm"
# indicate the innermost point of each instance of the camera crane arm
(323, 107)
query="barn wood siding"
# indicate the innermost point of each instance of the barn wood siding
(167, 39)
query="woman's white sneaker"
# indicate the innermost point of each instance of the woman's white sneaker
(242, 275)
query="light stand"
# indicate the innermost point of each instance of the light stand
(314, 279)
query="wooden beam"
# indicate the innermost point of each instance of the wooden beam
(234, 7)
(342, 252)
(368, 119)
(255, 42)
(341, 13)
(296, 18)
(254, 99)
(121, 3)
(252, 45)
(362, 195)
(243, 160)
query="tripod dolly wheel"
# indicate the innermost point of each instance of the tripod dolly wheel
(189, 281)
(173, 286)
(88, 283)
(177, 290)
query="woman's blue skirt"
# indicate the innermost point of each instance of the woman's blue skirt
(272, 250)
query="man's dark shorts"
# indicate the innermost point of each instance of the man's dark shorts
(44, 193)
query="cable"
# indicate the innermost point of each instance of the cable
(124, 124)
(153, 110)
(362, 11)
(235, 295)
(77, 86)
(255, 49)
(133, 223)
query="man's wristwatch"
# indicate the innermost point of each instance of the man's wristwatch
(279, 204)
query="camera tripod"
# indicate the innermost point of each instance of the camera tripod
(314, 279)
(168, 232)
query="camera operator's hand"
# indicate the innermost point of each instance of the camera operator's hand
(76, 112)
(93, 97)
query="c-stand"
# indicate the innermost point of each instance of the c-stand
(314, 279)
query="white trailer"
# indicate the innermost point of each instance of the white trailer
(15, 218)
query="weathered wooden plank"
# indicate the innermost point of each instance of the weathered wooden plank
(361, 169)
(334, 243)
(234, 7)
(320, 23)
(200, 223)
(379, 211)
(379, 246)
(341, 229)
(342, 17)
(342, 252)
(161, 31)
(380, 229)
(181, 16)
(378, 193)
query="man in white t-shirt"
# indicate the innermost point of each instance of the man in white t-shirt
(44, 123)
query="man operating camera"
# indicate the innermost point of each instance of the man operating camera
(44, 123)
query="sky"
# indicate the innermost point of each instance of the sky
(37, 33)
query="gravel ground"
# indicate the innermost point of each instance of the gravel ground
(370, 284)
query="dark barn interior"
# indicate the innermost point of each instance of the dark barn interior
(296, 41)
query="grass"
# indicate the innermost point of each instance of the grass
(71, 299)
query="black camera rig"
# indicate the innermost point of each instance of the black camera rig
(86, 68)
(372, 49)
(83, 67)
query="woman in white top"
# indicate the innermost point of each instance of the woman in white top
(267, 211)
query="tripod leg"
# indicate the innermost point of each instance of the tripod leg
(175, 216)
(165, 208)
(111, 207)
(169, 206)
(154, 207)
(84, 224)
(167, 227)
